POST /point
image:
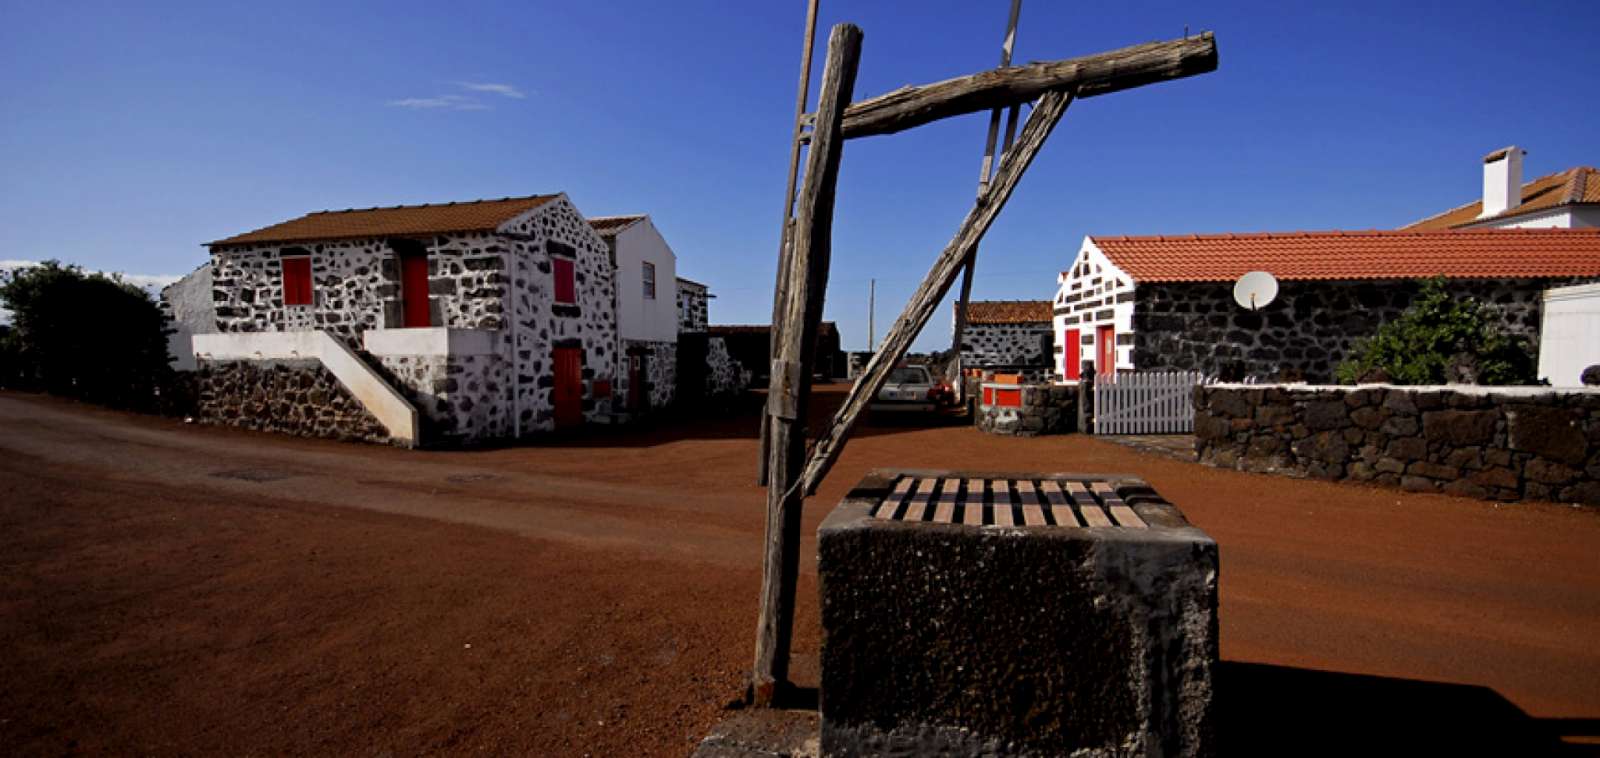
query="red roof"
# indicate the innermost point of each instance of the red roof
(610, 225)
(1466, 254)
(1575, 186)
(396, 221)
(1007, 311)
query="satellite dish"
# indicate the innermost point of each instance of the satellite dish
(1255, 290)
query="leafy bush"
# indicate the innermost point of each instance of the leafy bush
(1438, 340)
(89, 336)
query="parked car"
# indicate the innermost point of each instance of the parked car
(910, 388)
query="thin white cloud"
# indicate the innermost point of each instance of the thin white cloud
(506, 90)
(442, 102)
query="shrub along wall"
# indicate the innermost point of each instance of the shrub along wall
(1500, 443)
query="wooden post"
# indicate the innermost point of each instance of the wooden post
(788, 214)
(790, 387)
(934, 286)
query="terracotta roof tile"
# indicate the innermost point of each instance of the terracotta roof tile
(610, 225)
(1575, 185)
(399, 220)
(1007, 311)
(1466, 254)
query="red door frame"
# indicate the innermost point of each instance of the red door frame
(1106, 349)
(568, 393)
(1072, 354)
(414, 289)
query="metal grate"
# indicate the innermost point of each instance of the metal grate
(1008, 502)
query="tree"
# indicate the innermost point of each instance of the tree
(1438, 340)
(89, 336)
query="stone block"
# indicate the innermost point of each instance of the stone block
(1411, 483)
(1548, 432)
(952, 640)
(1327, 414)
(1458, 428)
(1407, 449)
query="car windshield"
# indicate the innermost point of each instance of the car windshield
(909, 375)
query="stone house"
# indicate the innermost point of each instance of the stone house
(749, 346)
(1007, 335)
(1165, 303)
(647, 311)
(471, 321)
(694, 306)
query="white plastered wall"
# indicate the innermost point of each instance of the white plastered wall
(638, 317)
(1569, 337)
(1092, 293)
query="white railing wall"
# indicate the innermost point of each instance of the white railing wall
(1156, 402)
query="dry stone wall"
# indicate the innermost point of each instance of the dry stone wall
(298, 397)
(1045, 409)
(1501, 444)
(661, 363)
(724, 375)
(1303, 334)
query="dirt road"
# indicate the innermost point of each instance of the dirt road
(171, 589)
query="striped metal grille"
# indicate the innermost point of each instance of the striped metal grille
(1007, 502)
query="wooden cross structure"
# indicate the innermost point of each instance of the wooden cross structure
(788, 470)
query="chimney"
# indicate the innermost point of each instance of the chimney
(1502, 181)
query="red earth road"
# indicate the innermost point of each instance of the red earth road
(174, 589)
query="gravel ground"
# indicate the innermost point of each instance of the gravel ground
(168, 589)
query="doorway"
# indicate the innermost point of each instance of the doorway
(568, 392)
(414, 285)
(1070, 355)
(638, 382)
(1106, 355)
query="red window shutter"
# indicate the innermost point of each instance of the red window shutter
(566, 286)
(296, 281)
(1008, 398)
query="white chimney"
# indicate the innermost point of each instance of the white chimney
(1502, 181)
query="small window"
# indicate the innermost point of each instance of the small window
(297, 280)
(566, 287)
(649, 281)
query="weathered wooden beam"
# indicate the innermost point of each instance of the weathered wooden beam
(789, 389)
(1088, 76)
(985, 173)
(788, 212)
(934, 286)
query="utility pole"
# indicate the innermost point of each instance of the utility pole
(872, 311)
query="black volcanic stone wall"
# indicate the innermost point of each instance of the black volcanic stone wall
(1305, 332)
(1046, 409)
(289, 397)
(1493, 445)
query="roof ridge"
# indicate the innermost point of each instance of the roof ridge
(431, 205)
(1309, 234)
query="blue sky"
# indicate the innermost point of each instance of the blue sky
(134, 132)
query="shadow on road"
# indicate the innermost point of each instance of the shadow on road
(1277, 710)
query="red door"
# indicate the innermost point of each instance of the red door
(638, 393)
(1072, 355)
(569, 387)
(414, 289)
(1106, 342)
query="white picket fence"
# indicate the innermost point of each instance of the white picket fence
(1157, 402)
